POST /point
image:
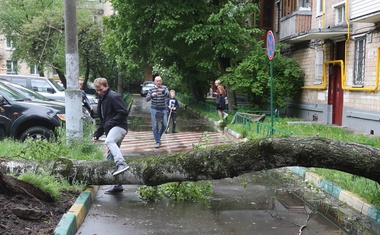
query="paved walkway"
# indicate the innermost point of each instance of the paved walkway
(137, 144)
(140, 142)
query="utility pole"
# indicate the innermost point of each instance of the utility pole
(73, 97)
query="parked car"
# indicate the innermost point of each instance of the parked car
(90, 89)
(145, 87)
(21, 118)
(45, 86)
(35, 96)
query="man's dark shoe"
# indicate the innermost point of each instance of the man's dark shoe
(120, 169)
(114, 190)
(157, 145)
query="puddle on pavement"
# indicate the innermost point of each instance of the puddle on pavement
(250, 204)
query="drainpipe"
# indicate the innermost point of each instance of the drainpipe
(344, 86)
(323, 14)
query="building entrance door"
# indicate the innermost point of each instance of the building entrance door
(336, 95)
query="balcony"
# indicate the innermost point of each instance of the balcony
(296, 28)
(365, 11)
(295, 23)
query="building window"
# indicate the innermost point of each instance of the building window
(11, 67)
(359, 61)
(34, 70)
(304, 4)
(318, 65)
(340, 13)
(288, 7)
(9, 43)
(320, 7)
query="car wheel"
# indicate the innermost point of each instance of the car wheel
(36, 133)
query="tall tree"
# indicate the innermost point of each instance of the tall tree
(37, 30)
(197, 41)
(193, 38)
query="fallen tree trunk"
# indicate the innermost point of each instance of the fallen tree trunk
(221, 162)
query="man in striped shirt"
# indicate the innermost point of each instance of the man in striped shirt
(158, 114)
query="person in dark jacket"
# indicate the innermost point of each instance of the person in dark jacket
(113, 114)
(172, 105)
(158, 95)
(85, 100)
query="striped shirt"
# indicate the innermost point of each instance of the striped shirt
(158, 102)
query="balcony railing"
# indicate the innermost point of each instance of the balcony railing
(297, 22)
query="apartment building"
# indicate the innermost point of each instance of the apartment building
(337, 44)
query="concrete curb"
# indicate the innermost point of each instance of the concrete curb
(233, 133)
(337, 192)
(73, 219)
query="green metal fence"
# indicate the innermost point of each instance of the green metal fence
(243, 117)
(126, 96)
(257, 122)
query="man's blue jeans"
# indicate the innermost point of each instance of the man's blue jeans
(157, 129)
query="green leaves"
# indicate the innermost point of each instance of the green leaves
(185, 191)
(192, 43)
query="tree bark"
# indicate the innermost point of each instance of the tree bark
(220, 162)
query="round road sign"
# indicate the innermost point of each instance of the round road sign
(270, 44)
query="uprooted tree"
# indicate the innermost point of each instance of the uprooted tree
(218, 162)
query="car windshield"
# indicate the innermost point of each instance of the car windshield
(90, 85)
(30, 94)
(10, 93)
(59, 87)
(149, 85)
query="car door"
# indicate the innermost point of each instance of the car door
(5, 116)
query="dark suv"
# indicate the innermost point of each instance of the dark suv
(21, 118)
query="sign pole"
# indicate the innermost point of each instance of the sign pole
(271, 48)
(271, 97)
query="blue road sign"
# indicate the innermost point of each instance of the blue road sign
(270, 44)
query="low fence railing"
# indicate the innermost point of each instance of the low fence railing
(249, 118)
